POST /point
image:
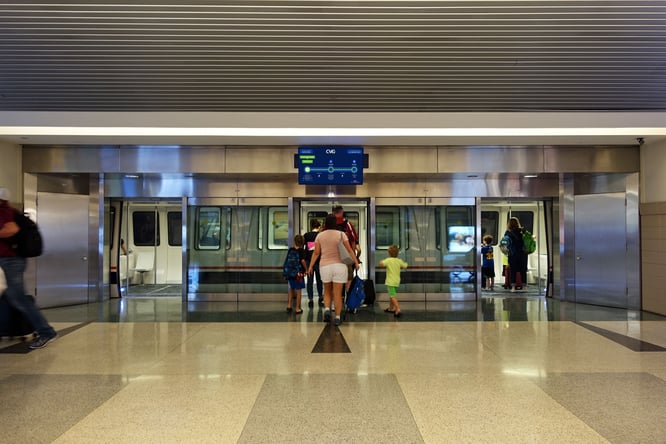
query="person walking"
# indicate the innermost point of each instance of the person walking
(310, 237)
(14, 267)
(331, 268)
(297, 282)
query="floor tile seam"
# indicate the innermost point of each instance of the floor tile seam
(600, 325)
(405, 401)
(609, 334)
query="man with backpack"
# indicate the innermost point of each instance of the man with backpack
(14, 266)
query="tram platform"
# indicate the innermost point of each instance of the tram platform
(507, 368)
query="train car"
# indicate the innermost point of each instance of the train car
(235, 252)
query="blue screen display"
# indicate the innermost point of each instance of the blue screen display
(330, 165)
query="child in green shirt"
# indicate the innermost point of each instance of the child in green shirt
(393, 265)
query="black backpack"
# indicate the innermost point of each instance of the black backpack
(28, 241)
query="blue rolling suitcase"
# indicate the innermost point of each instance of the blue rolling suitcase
(356, 295)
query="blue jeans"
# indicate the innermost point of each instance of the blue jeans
(15, 296)
(320, 285)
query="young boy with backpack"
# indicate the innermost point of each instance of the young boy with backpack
(294, 271)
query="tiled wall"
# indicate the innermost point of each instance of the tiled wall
(653, 254)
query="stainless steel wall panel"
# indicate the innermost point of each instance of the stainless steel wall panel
(490, 159)
(592, 159)
(633, 242)
(601, 262)
(265, 160)
(30, 184)
(70, 159)
(567, 245)
(427, 162)
(407, 160)
(401, 201)
(600, 183)
(63, 270)
(96, 239)
(151, 159)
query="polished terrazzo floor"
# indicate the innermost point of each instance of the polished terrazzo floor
(503, 369)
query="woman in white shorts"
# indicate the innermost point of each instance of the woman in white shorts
(331, 268)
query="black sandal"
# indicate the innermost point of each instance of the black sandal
(389, 311)
(288, 309)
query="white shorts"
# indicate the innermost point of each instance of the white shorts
(334, 273)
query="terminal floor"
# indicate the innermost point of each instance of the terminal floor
(500, 370)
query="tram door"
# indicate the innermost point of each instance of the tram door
(355, 212)
(152, 233)
(601, 249)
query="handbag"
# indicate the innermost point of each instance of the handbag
(345, 257)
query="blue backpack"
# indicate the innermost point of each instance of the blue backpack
(292, 264)
(506, 245)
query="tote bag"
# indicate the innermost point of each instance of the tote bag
(345, 257)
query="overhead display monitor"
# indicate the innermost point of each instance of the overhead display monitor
(330, 165)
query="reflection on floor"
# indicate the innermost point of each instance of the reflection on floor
(506, 368)
(504, 307)
(153, 290)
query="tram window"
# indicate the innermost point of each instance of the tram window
(319, 216)
(278, 228)
(146, 230)
(175, 228)
(354, 218)
(387, 227)
(526, 219)
(208, 221)
(460, 229)
(490, 225)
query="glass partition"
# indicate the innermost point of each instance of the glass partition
(236, 250)
(438, 243)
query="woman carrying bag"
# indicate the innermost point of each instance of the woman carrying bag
(332, 269)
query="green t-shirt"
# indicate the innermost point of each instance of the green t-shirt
(393, 266)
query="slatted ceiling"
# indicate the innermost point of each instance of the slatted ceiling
(333, 56)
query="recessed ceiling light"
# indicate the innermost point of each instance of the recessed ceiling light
(530, 176)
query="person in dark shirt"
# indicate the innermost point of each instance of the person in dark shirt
(517, 255)
(14, 266)
(309, 238)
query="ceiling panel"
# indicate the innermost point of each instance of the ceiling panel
(363, 56)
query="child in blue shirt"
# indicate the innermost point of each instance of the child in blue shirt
(488, 263)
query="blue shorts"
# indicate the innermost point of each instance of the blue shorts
(297, 284)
